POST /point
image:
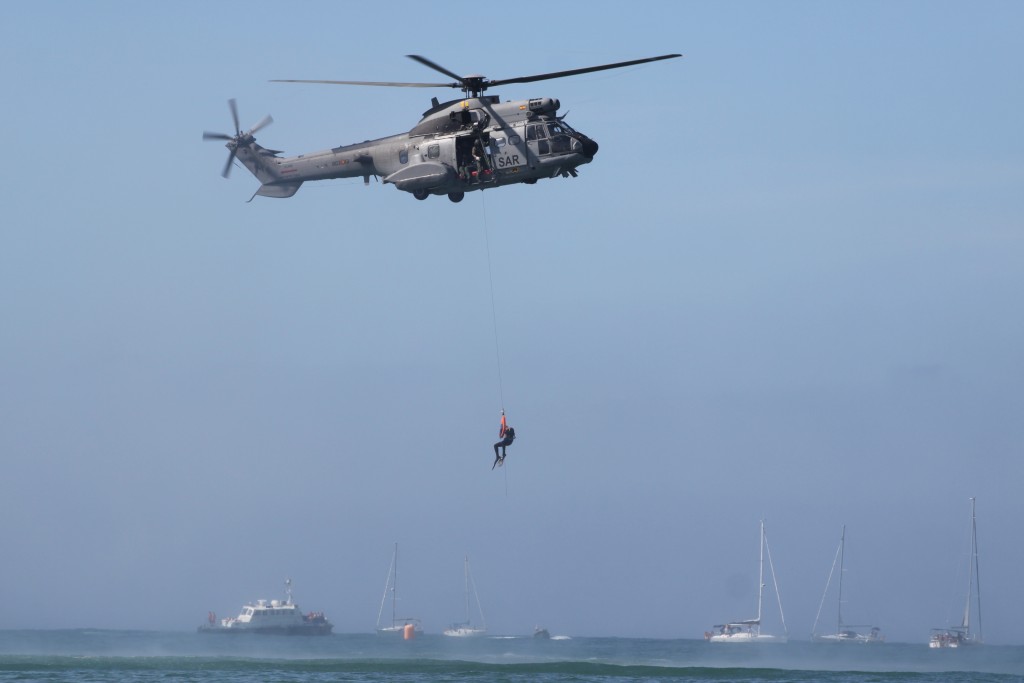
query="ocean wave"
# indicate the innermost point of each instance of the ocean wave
(229, 669)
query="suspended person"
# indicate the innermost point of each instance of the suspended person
(507, 435)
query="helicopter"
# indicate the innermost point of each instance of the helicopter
(463, 145)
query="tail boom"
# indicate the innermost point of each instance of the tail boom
(282, 177)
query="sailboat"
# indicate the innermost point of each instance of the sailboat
(749, 630)
(398, 624)
(845, 633)
(959, 636)
(465, 629)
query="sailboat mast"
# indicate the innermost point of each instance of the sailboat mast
(394, 587)
(842, 555)
(760, 576)
(476, 596)
(828, 583)
(388, 586)
(973, 578)
(467, 588)
(775, 585)
(977, 573)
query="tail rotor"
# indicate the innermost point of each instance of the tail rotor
(239, 139)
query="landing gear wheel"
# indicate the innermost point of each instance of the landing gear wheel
(420, 194)
(456, 196)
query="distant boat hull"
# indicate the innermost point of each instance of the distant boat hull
(951, 639)
(273, 618)
(399, 630)
(464, 632)
(858, 638)
(745, 637)
(319, 629)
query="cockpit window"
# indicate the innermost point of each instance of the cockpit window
(434, 151)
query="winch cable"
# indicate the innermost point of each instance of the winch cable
(494, 318)
(494, 313)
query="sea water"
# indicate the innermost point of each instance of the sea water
(80, 656)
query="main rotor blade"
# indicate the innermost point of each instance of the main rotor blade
(436, 67)
(227, 167)
(216, 136)
(576, 72)
(264, 122)
(234, 115)
(460, 81)
(380, 83)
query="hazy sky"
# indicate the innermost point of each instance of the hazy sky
(788, 286)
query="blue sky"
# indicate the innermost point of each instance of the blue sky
(788, 286)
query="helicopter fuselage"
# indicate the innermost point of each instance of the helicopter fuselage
(516, 142)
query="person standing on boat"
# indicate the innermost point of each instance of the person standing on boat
(507, 435)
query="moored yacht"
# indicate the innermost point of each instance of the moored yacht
(466, 629)
(749, 630)
(963, 635)
(407, 627)
(844, 633)
(274, 617)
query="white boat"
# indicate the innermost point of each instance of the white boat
(845, 633)
(749, 630)
(398, 624)
(466, 629)
(272, 618)
(961, 636)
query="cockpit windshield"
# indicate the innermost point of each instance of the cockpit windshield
(566, 128)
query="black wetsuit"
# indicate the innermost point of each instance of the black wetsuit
(508, 438)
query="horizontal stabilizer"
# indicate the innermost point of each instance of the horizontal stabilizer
(279, 190)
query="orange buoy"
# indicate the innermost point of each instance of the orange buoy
(409, 632)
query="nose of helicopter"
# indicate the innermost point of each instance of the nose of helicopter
(587, 146)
